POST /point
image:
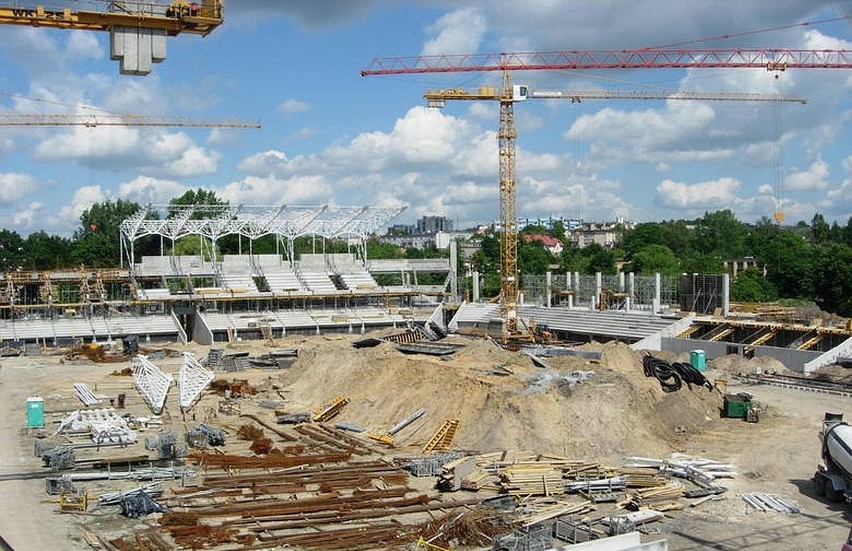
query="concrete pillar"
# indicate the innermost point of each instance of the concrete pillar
(598, 286)
(577, 288)
(454, 276)
(631, 290)
(620, 282)
(726, 295)
(548, 283)
(657, 293)
(568, 287)
(474, 287)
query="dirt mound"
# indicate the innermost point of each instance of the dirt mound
(614, 410)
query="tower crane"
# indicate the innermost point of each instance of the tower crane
(643, 58)
(93, 120)
(138, 29)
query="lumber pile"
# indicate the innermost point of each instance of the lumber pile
(540, 479)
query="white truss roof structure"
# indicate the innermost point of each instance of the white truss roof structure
(193, 378)
(151, 382)
(253, 221)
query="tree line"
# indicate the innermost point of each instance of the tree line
(806, 261)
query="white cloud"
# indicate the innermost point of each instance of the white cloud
(459, 31)
(720, 193)
(83, 44)
(83, 199)
(14, 186)
(146, 190)
(290, 106)
(29, 216)
(814, 178)
(300, 190)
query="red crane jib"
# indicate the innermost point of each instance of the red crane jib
(643, 58)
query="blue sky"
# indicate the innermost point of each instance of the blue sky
(331, 136)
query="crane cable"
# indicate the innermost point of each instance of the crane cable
(754, 31)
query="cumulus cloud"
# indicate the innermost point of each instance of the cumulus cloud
(293, 106)
(459, 31)
(814, 178)
(720, 193)
(147, 190)
(300, 190)
(14, 186)
(28, 216)
(83, 199)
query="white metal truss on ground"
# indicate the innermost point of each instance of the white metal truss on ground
(193, 378)
(152, 383)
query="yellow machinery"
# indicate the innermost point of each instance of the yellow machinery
(73, 503)
(179, 17)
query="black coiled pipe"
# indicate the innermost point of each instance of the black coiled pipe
(672, 376)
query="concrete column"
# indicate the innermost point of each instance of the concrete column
(568, 287)
(598, 286)
(548, 283)
(474, 287)
(577, 288)
(631, 290)
(454, 276)
(726, 294)
(657, 293)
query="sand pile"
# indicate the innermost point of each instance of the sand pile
(615, 411)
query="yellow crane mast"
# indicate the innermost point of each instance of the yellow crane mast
(510, 94)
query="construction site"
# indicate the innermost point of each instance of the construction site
(335, 401)
(331, 401)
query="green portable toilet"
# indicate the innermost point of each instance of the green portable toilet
(698, 360)
(35, 412)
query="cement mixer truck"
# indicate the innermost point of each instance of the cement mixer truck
(833, 480)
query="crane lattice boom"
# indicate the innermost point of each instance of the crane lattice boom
(773, 59)
(93, 120)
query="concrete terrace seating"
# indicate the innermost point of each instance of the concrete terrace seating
(319, 283)
(97, 328)
(282, 279)
(359, 280)
(613, 324)
(173, 265)
(153, 294)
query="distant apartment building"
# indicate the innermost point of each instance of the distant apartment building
(420, 235)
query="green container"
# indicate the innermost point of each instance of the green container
(736, 405)
(698, 360)
(35, 412)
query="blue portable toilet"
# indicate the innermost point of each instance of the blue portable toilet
(698, 360)
(35, 412)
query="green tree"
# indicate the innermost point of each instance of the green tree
(378, 249)
(720, 234)
(600, 259)
(533, 258)
(751, 286)
(832, 278)
(96, 242)
(559, 231)
(656, 258)
(820, 230)
(45, 251)
(13, 254)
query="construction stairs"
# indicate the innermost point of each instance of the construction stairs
(443, 438)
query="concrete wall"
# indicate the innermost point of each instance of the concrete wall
(623, 542)
(792, 359)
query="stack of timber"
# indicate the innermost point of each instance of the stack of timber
(540, 479)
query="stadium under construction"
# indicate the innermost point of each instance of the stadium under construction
(208, 298)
